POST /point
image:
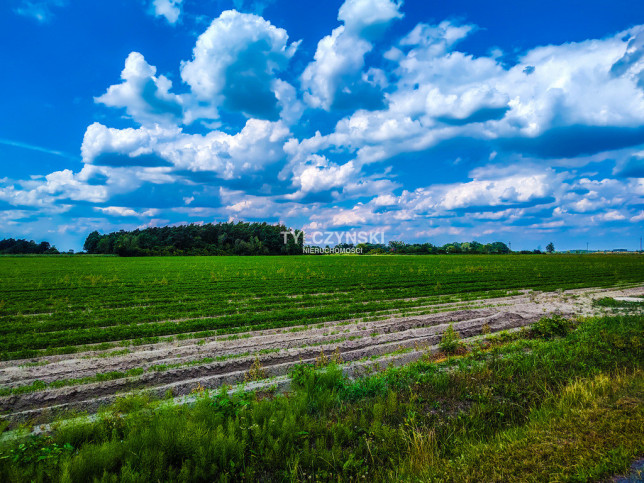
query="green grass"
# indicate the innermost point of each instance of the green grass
(58, 305)
(589, 430)
(563, 405)
(612, 303)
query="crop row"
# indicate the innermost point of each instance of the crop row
(61, 302)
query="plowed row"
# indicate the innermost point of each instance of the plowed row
(180, 366)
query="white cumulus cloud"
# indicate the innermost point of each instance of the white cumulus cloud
(169, 9)
(145, 96)
(335, 78)
(235, 62)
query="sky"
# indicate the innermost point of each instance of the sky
(520, 122)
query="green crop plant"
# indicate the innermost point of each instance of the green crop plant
(114, 301)
(450, 341)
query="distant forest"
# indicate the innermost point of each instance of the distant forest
(210, 239)
(250, 239)
(403, 248)
(234, 239)
(9, 246)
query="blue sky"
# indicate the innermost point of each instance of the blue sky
(431, 121)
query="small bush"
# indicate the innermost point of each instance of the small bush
(451, 341)
(606, 302)
(551, 327)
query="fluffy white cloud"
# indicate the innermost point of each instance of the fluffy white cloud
(557, 101)
(335, 79)
(258, 144)
(320, 175)
(235, 62)
(170, 9)
(145, 97)
(510, 190)
(124, 211)
(59, 185)
(368, 18)
(291, 108)
(612, 215)
(100, 140)
(338, 59)
(356, 216)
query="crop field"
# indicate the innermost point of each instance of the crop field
(85, 335)
(55, 305)
(77, 331)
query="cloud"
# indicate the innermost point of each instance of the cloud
(123, 211)
(170, 9)
(495, 199)
(368, 19)
(320, 175)
(632, 167)
(505, 191)
(144, 96)
(427, 42)
(336, 78)
(45, 193)
(40, 149)
(631, 62)
(99, 140)
(572, 103)
(315, 178)
(235, 62)
(39, 10)
(258, 144)
(238, 204)
(612, 215)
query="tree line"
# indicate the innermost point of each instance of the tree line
(400, 247)
(9, 246)
(236, 239)
(208, 239)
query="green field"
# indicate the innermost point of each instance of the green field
(58, 304)
(568, 408)
(496, 408)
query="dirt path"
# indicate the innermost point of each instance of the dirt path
(228, 358)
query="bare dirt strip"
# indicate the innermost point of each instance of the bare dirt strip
(278, 350)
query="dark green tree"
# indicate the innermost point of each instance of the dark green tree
(91, 242)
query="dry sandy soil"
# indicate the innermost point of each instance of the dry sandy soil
(362, 345)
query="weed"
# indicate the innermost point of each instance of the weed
(198, 389)
(450, 341)
(321, 360)
(256, 371)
